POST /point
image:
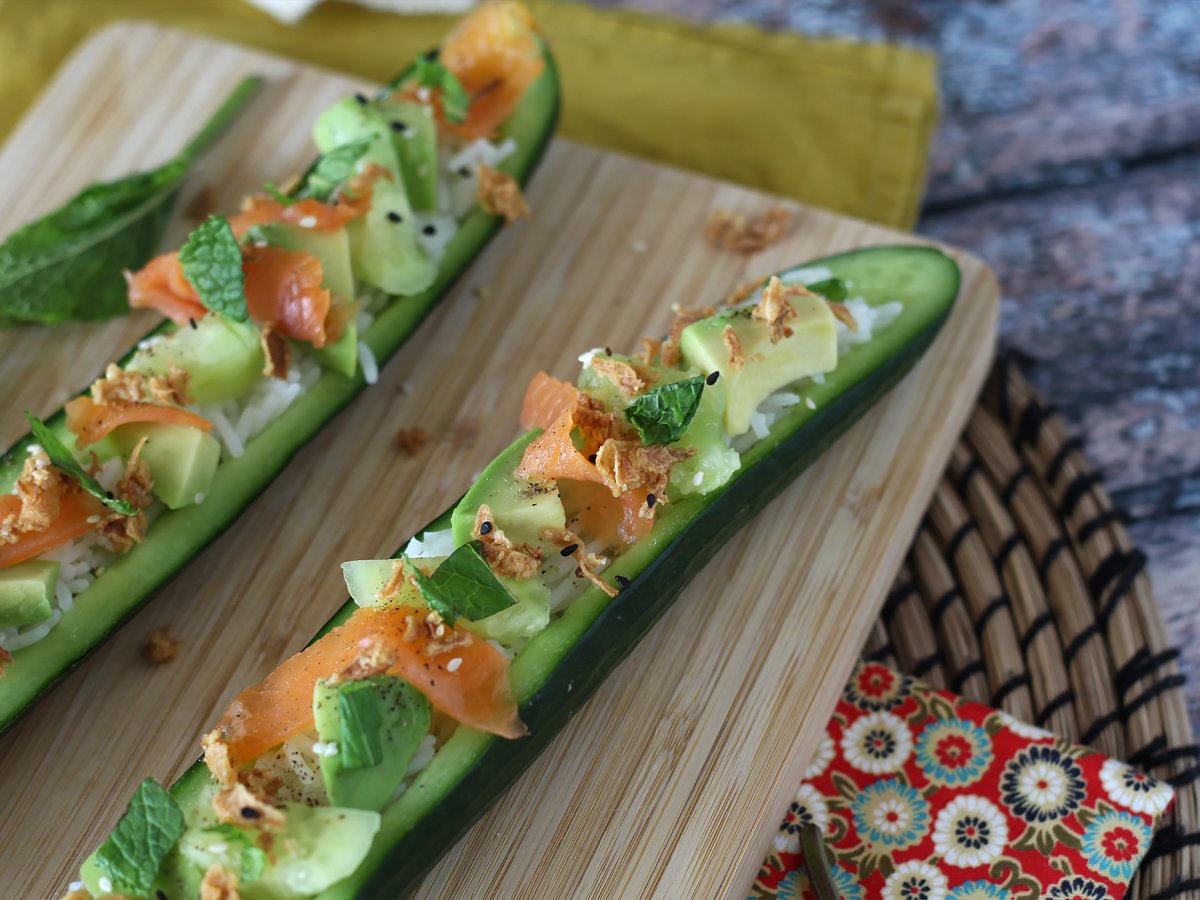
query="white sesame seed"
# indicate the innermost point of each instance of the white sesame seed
(33, 448)
(808, 401)
(218, 847)
(199, 498)
(105, 884)
(698, 479)
(308, 222)
(75, 886)
(453, 665)
(92, 520)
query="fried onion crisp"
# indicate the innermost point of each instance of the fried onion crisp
(437, 636)
(499, 194)
(39, 487)
(238, 805)
(630, 379)
(734, 345)
(650, 349)
(739, 233)
(391, 588)
(669, 354)
(216, 757)
(626, 465)
(373, 659)
(123, 532)
(774, 308)
(411, 440)
(277, 355)
(219, 884)
(842, 313)
(160, 647)
(500, 553)
(132, 387)
(587, 563)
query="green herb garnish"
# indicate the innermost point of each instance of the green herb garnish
(463, 585)
(212, 262)
(68, 264)
(333, 169)
(661, 415)
(63, 460)
(253, 858)
(831, 289)
(432, 74)
(134, 852)
(360, 709)
(276, 194)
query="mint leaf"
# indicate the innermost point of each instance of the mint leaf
(333, 169)
(64, 460)
(831, 289)
(661, 415)
(463, 585)
(432, 74)
(253, 859)
(135, 850)
(212, 262)
(68, 264)
(277, 195)
(360, 708)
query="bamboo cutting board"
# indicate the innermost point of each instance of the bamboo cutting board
(675, 776)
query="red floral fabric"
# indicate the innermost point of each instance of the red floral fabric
(923, 795)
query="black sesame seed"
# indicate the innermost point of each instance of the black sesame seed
(592, 459)
(108, 494)
(192, 322)
(160, 895)
(249, 812)
(608, 351)
(485, 528)
(361, 98)
(464, 172)
(651, 500)
(712, 377)
(430, 230)
(399, 127)
(623, 582)
(431, 55)
(569, 549)
(395, 217)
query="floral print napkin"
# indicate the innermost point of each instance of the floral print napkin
(923, 795)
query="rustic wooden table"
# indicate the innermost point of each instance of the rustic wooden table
(1069, 158)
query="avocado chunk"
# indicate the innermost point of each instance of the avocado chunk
(332, 250)
(767, 367)
(182, 460)
(26, 590)
(414, 137)
(521, 508)
(714, 462)
(349, 121)
(384, 246)
(376, 725)
(223, 358)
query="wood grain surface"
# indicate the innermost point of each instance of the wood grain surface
(1068, 157)
(655, 787)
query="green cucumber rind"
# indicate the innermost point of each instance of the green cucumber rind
(151, 565)
(623, 623)
(618, 627)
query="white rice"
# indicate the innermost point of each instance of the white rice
(436, 544)
(366, 362)
(444, 227)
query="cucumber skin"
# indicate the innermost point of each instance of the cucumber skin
(197, 526)
(550, 697)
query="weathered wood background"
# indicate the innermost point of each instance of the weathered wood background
(1069, 158)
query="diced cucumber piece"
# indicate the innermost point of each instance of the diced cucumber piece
(319, 847)
(182, 460)
(26, 590)
(366, 577)
(525, 618)
(384, 246)
(766, 367)
(521, 508)
(414, 137)
(223, 358)
(375, 727)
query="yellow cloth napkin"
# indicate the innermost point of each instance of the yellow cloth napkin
(837, 124)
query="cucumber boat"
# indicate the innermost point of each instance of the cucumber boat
(279, 316)
(350, 769)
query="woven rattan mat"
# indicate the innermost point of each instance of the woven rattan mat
(1022, 590)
